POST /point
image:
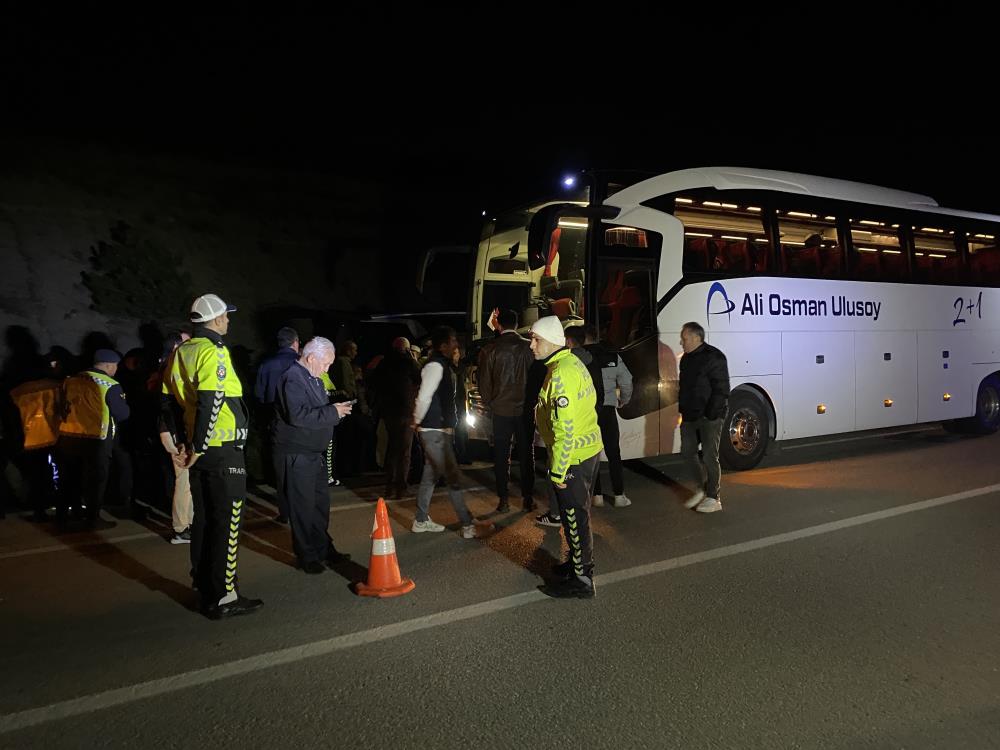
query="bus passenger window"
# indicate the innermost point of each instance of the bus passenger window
(721, 237)
(984, 256)
(809, 245)
(878, 253)
(936, 259)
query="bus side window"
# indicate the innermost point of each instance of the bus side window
(809, 247)
(984, 256)
(936, 258)
(878, 252)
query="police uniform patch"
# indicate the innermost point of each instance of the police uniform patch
(220, 373)
(562, 402)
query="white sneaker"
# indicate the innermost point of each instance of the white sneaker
(428, 525)
(597, 501)
(622, 502)
(694, 499)
(709, 505)
(469, 532)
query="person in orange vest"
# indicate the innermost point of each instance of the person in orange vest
(39, 406)
(94, 403)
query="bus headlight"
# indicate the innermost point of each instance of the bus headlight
(470, 419)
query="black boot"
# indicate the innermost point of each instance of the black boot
(574, 587)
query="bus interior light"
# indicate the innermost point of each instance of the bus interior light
(821, 408)
(569, 181)
(887, 403)
(947, 397)
(470, 419)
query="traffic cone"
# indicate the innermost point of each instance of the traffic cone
(384, 579)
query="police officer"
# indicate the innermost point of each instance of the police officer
(567, 422)
(94, 403)
(203, 387)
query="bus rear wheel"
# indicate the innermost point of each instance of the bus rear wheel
(745, 432)
(987, 418)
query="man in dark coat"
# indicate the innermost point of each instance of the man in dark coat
(302, 430)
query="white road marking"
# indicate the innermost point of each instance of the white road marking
(156, 511)
(140, 691)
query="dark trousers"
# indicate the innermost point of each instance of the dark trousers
(120, 490)
(504, 429)
(308, 505)
(218, 490)
(706, 473)
(38, 474)
(84, 467)
(397, 452)
(7, 496)
(278, 463)
(607, 420)
(574, 508)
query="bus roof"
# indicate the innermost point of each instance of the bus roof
(743, 178)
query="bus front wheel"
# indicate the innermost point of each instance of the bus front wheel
(745, 432)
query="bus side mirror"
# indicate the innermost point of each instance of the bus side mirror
(542, 225)
(426, 260)
(546, 220)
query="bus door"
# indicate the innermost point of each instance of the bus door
(622, 273)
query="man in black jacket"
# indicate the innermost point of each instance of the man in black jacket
(502, 375)
(704, 396)
(266, 391)
(302, 429)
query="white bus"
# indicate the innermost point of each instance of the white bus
(840, 306)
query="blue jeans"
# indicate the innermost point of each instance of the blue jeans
(439, 460)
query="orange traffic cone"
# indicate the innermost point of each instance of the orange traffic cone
(384, 579)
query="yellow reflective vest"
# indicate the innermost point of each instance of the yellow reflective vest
(566, 414)
(201, 378)
(86, 406)
(40, 406)
(328, 385)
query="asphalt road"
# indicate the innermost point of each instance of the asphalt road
(847, 596)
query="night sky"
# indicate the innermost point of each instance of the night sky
(456, 121)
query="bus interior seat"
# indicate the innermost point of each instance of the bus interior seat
(696, 254)
(611, 291)
(732, 256)
(865, 265)
(564, 308)
(758, 256)
(985, 262)
(570, 287)
(831, 260)
(628, 305)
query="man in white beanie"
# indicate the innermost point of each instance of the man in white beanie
(567, 422)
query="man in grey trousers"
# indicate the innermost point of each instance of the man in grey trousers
(704, 399)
